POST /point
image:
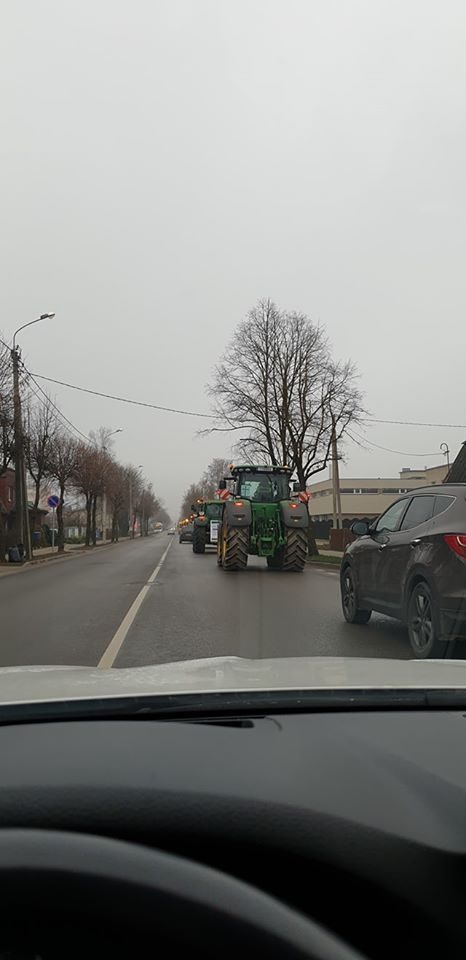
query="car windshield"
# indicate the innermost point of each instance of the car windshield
(232, 342)
(263, 487)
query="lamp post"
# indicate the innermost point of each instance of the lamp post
(23, 533)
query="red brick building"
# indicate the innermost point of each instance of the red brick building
(7, 507)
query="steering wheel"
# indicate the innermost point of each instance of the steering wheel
(67, 894)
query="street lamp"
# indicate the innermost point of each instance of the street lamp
(43, 316)
(23, 532)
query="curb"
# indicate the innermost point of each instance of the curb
(7, 571)
(323, 565)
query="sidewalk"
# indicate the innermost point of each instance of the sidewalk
(45, 554)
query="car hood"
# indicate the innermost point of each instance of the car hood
(227, 674)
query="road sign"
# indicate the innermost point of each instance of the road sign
(53, 501)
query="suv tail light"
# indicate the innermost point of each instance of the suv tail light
(457, 543)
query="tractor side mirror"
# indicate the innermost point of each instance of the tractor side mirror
(193, 507)
(297, 487)
(222, 485)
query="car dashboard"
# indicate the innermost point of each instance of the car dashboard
(355, 819)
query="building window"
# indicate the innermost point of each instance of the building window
(10, 494)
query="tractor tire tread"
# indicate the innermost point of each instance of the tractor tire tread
(236, 554)
(295, 552)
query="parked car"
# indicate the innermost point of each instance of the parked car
(186, 533)
(411, 564)
(171, 531)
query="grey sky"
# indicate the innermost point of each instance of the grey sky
(164, 164)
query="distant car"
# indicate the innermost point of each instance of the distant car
(171, 531)
(186, 533)
(411, 564)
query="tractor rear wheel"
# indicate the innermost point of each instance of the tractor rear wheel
(234, 547)
(295, 551)
(199, 540)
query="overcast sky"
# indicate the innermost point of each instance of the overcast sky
(165, 164)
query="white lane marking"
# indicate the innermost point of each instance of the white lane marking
(110, 654)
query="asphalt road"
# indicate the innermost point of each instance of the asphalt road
(72, 611)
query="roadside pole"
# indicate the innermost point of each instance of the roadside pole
(337, 518)
(53, 502)
(21, 509)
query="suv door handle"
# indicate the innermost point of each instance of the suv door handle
(414, 543)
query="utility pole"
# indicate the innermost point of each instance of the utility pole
(23, 535)
(337, 518)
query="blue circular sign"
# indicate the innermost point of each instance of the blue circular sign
(53, 501)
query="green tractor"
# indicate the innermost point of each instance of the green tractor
(206, 523)
(261, 519)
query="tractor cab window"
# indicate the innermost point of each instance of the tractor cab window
(214, 510)
(264, 487)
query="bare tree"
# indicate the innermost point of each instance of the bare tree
(6, 431)
(38, 438)
(116, 484)
(216, 469)
(87, 479)
(62, 463)
(193, 493)
(279, 385)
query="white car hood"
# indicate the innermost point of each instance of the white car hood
(227, 674)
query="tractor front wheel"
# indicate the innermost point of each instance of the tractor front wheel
(234, 547)
(199, 540)
(295, 551)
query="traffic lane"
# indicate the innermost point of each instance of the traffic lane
(66, 611)
(195, 609)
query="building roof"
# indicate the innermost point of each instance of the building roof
(457, 471)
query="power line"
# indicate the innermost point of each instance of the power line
(400, 453)
(416, 423)
(76, 429)
(209, 416)
(138, 403)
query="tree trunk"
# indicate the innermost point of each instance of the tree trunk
(115, 526)
(60, 525)
(88, 519)
(94, 511)
(312, 548)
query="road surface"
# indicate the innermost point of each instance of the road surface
(119, 607)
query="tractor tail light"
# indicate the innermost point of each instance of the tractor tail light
(238, 503)
(457, 543)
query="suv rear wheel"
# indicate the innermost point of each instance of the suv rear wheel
(349, 599)
(423, 623)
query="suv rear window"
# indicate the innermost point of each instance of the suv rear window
(419, 510)
(441, 504)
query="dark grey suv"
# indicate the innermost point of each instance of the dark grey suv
(411, 564)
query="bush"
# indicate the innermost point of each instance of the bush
(75, 539)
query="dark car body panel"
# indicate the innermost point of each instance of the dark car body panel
(186, 533)
(387, 564)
